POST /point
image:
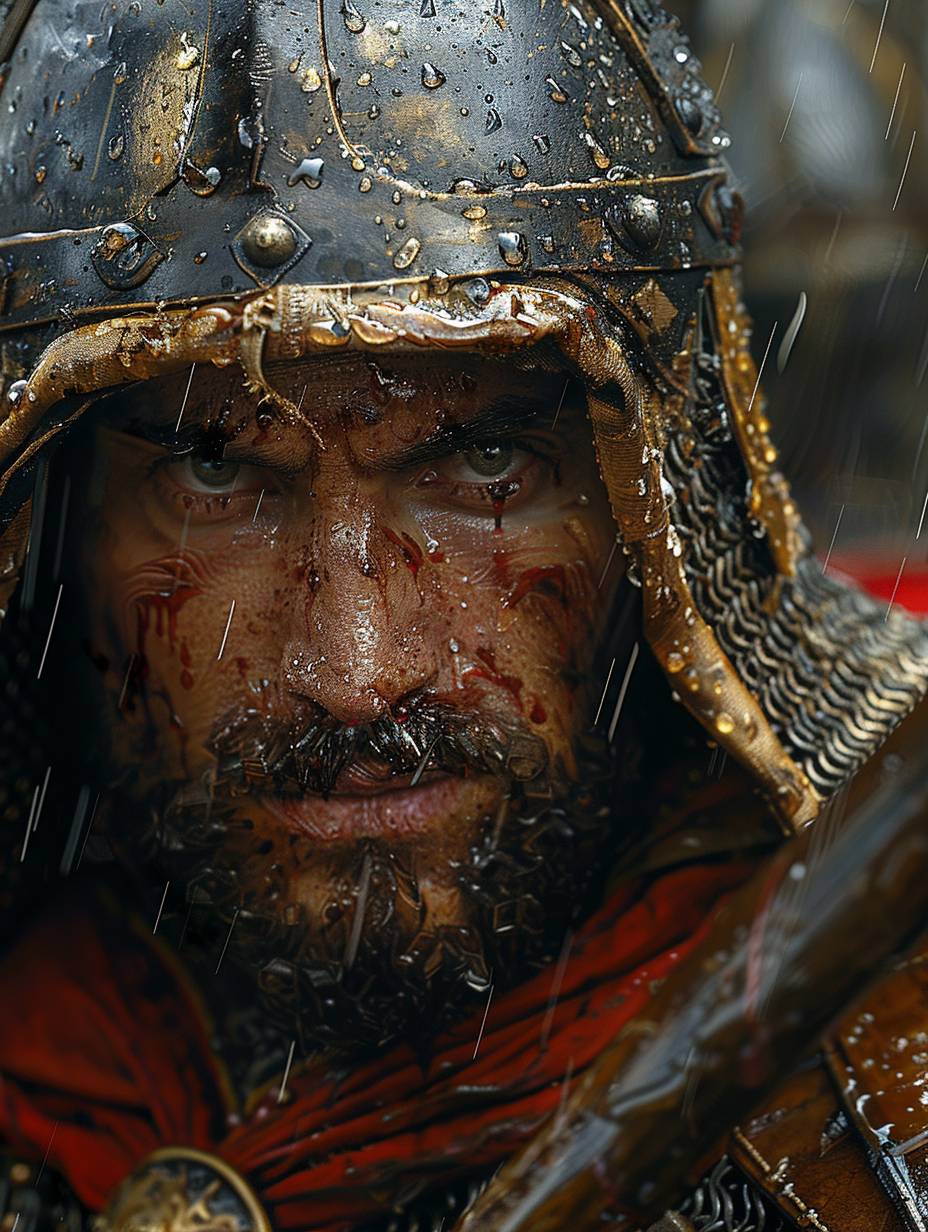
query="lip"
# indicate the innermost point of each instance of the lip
(364, 807)
(357, 781)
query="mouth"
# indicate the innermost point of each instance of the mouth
(366, 805)
(373, 779)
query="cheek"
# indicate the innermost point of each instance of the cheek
(188, 634)
(523, 617)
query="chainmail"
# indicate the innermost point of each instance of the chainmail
(726, 1202)
(833, 672)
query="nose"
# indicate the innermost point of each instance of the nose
(362, 638)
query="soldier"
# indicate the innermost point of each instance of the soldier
(390, 522)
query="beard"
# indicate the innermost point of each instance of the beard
(363, 958)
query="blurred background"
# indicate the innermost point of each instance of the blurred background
(827, 104)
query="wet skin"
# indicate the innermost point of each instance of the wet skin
(446, 549)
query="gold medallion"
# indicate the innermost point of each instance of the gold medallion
(182, 1190)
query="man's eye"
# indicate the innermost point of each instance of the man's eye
(213, 473)
(490, 458)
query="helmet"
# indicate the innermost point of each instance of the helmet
(215, 183)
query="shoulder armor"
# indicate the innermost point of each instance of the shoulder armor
(879, 1060)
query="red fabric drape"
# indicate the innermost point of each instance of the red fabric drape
(104, 1057)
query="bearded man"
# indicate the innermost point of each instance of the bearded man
(411, 638)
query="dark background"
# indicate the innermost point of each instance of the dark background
(822, 131)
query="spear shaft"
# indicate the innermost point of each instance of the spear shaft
(788, 955)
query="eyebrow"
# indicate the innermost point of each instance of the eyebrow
(508, 414)
(193, 435)
(503, 416)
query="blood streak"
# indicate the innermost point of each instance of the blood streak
(550, 580)
(538, 713)
(166, 608)
(501, 574)
(499, 493)
(409, 549)
(158, 592)
(487, 670)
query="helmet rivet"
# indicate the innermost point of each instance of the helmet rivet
(267, 241)
(642, 221)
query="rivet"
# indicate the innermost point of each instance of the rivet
(268, 241)
(642, 221)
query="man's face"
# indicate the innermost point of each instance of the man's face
(349, 692)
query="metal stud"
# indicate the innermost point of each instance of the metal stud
(268, 241)
(638, 224)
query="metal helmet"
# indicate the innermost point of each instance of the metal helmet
(211, 182)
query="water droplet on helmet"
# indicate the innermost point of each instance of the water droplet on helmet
(473, 212)
(365, 184)
(355, 21)
(405, 256)
(427, 8)
(124, 257)
(555, 92)
(517, 167)
(571, 55)
(542, 143)
(14, 394)
(432, 77)
(116, 146)
(308, 171)
(40, 174)
(478, 289)
(189, 56)
(600, 158)
(200, 182)
(310, 81)
(512, 247)
(691, 114)
(724, 723)
(439, 284)
(493, 121)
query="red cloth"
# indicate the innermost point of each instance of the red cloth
(104, 1057)
(906, 589)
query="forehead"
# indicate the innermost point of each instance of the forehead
(357, 390)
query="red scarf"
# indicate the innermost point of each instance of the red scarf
(104, 1057)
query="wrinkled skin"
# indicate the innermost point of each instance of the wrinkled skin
(348, 693)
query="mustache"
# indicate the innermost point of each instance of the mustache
(306, 753)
